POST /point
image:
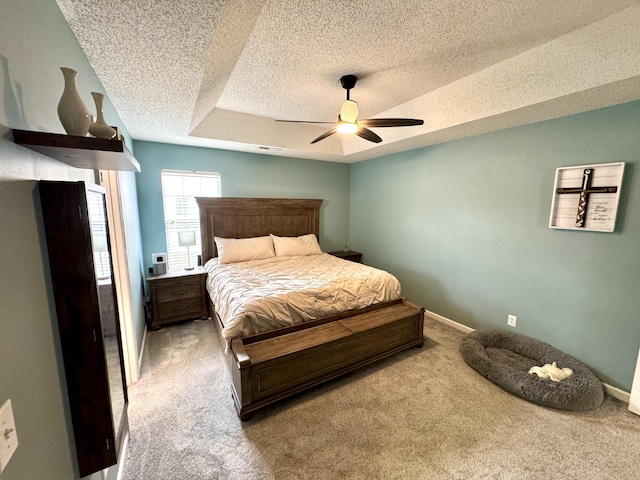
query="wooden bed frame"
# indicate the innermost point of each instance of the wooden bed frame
(269, 366)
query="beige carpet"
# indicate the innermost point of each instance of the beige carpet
(423, 414)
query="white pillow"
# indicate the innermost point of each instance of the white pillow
(232, 250)
(289, 246)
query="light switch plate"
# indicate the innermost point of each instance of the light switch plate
(8, 435)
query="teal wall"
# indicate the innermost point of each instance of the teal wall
(243, 175)
(464, 226)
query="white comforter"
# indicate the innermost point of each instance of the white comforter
(261, 295)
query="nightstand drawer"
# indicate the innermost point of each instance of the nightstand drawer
(178, 292)
(176, 281)
(180, 309)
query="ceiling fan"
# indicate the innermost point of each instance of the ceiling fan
(348, 118)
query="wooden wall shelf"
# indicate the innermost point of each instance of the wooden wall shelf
(80, 152)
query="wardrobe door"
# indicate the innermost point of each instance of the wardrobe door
(76, 228)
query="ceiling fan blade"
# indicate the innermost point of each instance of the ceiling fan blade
(305, 121)
(368, 135)
(325, 135)
(390, 122)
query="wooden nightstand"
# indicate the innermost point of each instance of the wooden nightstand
(348, 255)
(178, 295)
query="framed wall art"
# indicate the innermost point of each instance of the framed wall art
(586, 197)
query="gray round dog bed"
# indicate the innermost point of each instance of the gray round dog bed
(505, 358)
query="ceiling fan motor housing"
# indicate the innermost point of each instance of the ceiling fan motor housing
(348, 81)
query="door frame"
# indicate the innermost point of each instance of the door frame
(122, 279)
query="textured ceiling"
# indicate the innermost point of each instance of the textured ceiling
(218, 73)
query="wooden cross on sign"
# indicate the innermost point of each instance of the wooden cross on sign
(585, 191)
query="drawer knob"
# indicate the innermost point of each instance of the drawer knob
(181, 308)
(179, 292)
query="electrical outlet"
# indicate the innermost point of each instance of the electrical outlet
(8, 435)
(511, 320)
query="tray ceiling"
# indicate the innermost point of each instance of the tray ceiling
(218, 73)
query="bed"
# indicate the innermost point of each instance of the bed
(267, 366)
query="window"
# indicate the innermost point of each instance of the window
(179, 189)
(98, 223)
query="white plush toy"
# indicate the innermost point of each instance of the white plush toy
(551, 370)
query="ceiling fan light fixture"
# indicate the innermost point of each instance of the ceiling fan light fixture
(348, 122)
(347, 127)
(349, 111)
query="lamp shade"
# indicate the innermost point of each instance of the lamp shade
(187, 239)
(349, 111)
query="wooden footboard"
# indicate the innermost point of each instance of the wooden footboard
(268, 367)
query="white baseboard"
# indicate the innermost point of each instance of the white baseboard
(448, 321)
(123, 455)
(615, 392)
(144, 341)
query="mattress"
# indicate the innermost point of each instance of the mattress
(261, 295)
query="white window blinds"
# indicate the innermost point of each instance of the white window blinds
(179, 189)
(98, 223)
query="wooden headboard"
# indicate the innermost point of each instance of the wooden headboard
(254, 217)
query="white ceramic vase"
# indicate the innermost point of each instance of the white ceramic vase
(72, 112)
(100, 128)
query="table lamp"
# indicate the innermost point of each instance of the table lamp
(187, 239)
